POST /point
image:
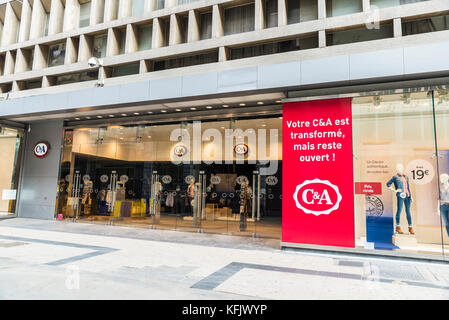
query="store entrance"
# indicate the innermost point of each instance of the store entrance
(137, 176)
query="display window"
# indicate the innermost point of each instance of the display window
(11, 141)
(212, 177)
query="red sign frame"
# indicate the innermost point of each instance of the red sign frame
(318, 197)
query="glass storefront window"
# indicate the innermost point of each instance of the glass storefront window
(396, 174)
(11, 150)
(184, 176)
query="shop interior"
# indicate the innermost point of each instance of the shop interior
(211, 176)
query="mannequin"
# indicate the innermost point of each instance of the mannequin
(444, 199)
(403, 196)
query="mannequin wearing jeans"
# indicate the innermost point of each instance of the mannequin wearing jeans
(403, 196)
(444, 199)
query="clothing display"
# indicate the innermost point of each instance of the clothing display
(403, 198)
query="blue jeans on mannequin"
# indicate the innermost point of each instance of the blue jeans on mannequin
(444, 211)
(401, 201)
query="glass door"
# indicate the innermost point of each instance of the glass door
(11, 150)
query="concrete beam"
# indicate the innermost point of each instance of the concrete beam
(175, 31)
(217, 21)
(125, 8)
(132, 42)
(96, 12)
(10, 63)
(259, 19)
(71, 15)
(85, 48)
(193, 32)
(113, 45)
(71, 50)
(11, 26)
(38, 20)
(110, 10)
(25, 21)
(40, 57)
(158, 33)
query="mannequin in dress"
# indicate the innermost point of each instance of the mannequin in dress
(403, 196)
(444, 199)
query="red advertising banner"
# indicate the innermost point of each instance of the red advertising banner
(318, 198)
(368, 188)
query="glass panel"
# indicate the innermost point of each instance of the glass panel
(359, 35)
(239, 19)
(145, 37)
(341, 7)
(138, 7)
(392, 3)
(100, 42)
(301, 10)
(56, 55)
(438, 23)
(206, 25)
(441, 105)
(84, 14)
(271, 13)
(395, 173)
(11, 150)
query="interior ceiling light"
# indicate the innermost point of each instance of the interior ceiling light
(192, 108)
(242, 104)
(226, 106)
(209, 107)
(77, 119)
(136, 113)
(87, 118)
(111, 116)
(278, 101)
(178, 110)
(123, 114)
(260, 102)
(163, 111)
(99, 117)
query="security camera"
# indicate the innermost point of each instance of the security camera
(94, 62)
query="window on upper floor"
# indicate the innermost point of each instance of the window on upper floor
(205, 25)
(56, 55)
(392, 3)
(341, 7)
(124, 70)
(122, 40)
(186, 1)
(239, 19)
(99, 45)
(301, 10)
(84, 14)
(138, 7)
(47, 21)
(360, 34)
(145, 36)
(186, 61)
(160, 4)
(431, 24)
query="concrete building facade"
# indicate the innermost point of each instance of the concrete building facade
(70, 66)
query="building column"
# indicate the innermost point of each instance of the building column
(10, 62)
(193, 32)
(321, 9)
(397, 27)
(150, 5)
(171, 3)
(71, 50)
(282, 13)
(125, 8)
(25, 21)
(56, 20)
(113, 45)
(10, 27)
(217, 22)
(158, 34)
(110, 10)
(71, 15)
(223, 54)
(366, 5)
(40, 57)
(96, 12)
(38, 20)
(259, 10)
(85, 48)
(132, 42)
(175, 33)
(321, 39)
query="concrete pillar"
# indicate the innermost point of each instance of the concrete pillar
(113, 45)
(110, 10)
(150, 5)
(282, 13)
(366, 5)
(40, 57)
(321, 9)
(193, 30)
(125, 8)
(321, 39)
(25, 21)
(10, 62)
(132, 42)
(10, 27)
(96, 12)
(145, 66)
(259, 10)
(46, 82)
(223, 54)
(158, 33)
(397, 27)
(56, 17)
(85, 48)
(175, 33)
(23, 60)
(71, 50)
(38, 20)
(217, 22)
(71, 15)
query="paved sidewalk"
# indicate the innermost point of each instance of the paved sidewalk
(64, 260)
